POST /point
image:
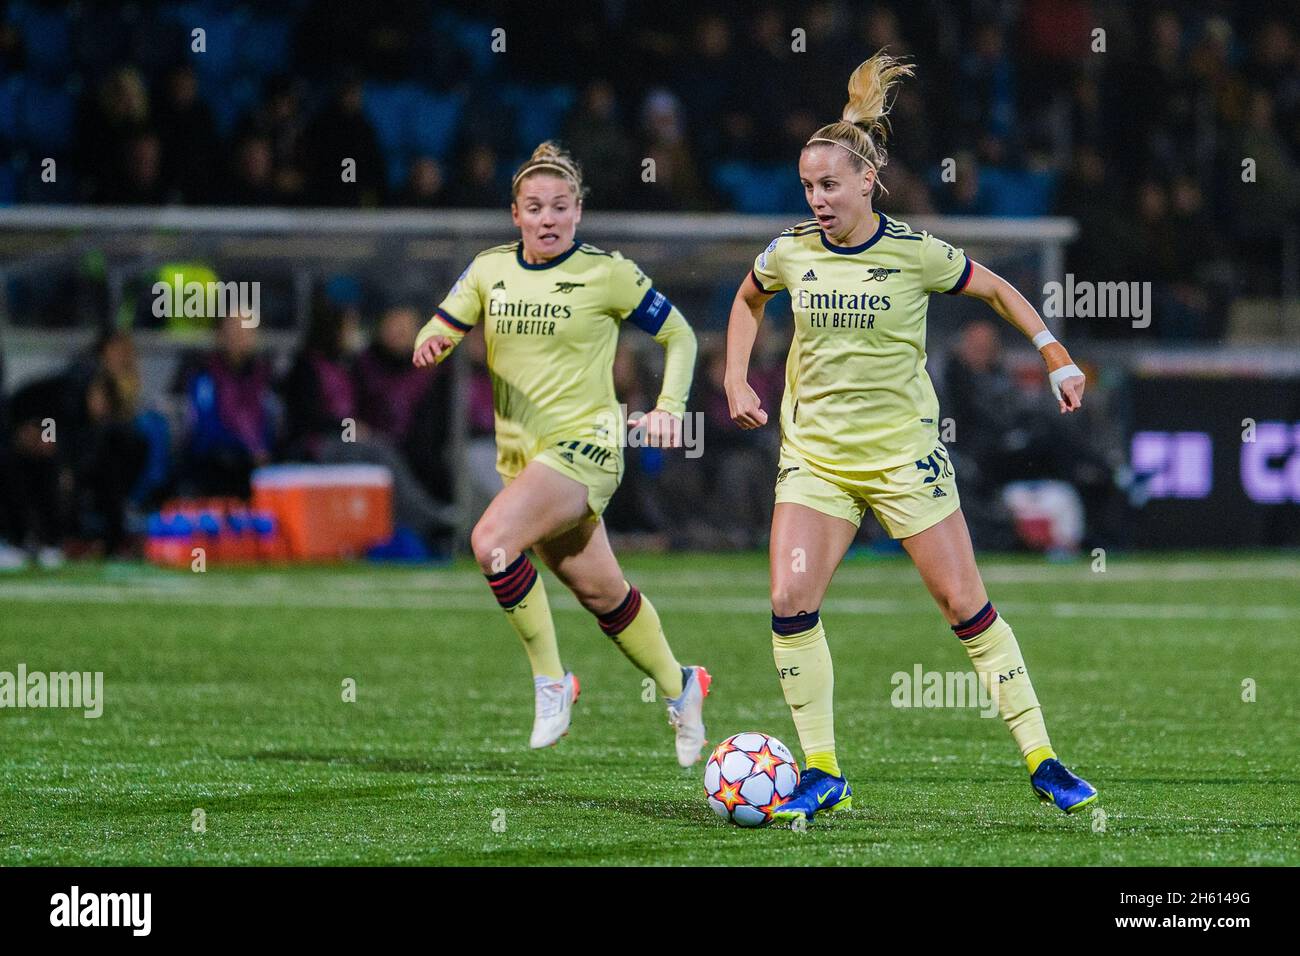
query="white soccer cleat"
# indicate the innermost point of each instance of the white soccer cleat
(554, 707)
(686, 714)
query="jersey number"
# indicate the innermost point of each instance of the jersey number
(937, 464)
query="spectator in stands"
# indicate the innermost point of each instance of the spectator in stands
(598, 140)
(324, 421)
(477, 183)
(137, 179)
(677, 183)
(407, 407)
(390, 390)
(107, 456)
(116, 362)
(231, 413)
(1001, 436)
(281, 122)
(426, 185)
(188, 134)
(252, 176)
(35, 480)
(344, 165)
(110, 117)
(319, 393)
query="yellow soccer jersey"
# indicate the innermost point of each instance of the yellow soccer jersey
(857, 396)
(551, 331)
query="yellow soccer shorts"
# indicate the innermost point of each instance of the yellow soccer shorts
(905, 499)
(598, 468)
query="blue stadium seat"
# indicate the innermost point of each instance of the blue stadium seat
(539, 111)
(396, 163)
(473, 37)
(229, 100)
(10, 97)
(387, 106)
(760, 189)
(265, 45)
(8, 185)
(220, 60)
(47, 114)
(47, 38)
(433, 122)
(1011, 192)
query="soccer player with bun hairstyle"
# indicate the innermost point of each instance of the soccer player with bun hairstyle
(551, 307)
(859, 430)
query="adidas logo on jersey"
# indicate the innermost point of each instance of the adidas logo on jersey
(567, 456)
(809, 276)
(501, 284)
(939, 493)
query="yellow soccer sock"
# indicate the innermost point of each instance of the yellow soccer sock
(803, 662)
(993, 650)
(634, 626)
(824, 761)
(1035, 757)
(522, 595)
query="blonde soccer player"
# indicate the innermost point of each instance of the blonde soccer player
(551, 308)
(859, 430)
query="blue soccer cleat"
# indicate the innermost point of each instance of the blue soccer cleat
(817, 791)
(1055, 784)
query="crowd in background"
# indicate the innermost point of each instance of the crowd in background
(83, 459)
(1139, 132)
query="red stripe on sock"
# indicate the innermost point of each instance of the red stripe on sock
(618, 619)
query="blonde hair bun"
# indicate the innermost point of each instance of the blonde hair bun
(550, 157)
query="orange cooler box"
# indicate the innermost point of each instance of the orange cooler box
(326, 512)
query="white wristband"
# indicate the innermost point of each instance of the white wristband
(1043, 338)
(1059, 375)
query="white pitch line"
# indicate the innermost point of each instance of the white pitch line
(384, 580)
(217, 594)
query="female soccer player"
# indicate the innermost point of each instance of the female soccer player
(859, 429)
(552, 308)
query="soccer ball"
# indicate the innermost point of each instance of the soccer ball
(748, 776)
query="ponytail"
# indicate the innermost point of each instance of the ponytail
(864, 124)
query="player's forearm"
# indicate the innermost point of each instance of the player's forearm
(679, 345)
(436, 326)
(1006, 300)
(742, 330)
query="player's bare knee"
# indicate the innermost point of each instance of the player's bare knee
(489, 545)
(599, 597)
(958, 606)
(789, 599)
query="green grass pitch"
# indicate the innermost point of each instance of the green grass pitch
(224, 692)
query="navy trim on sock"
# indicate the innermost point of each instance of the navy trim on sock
(614, 622)
(977, 623)
(513, 584)
(795, 623)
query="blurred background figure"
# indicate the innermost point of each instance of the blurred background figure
(231, 414)
(1001, 435)
(329, 391)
